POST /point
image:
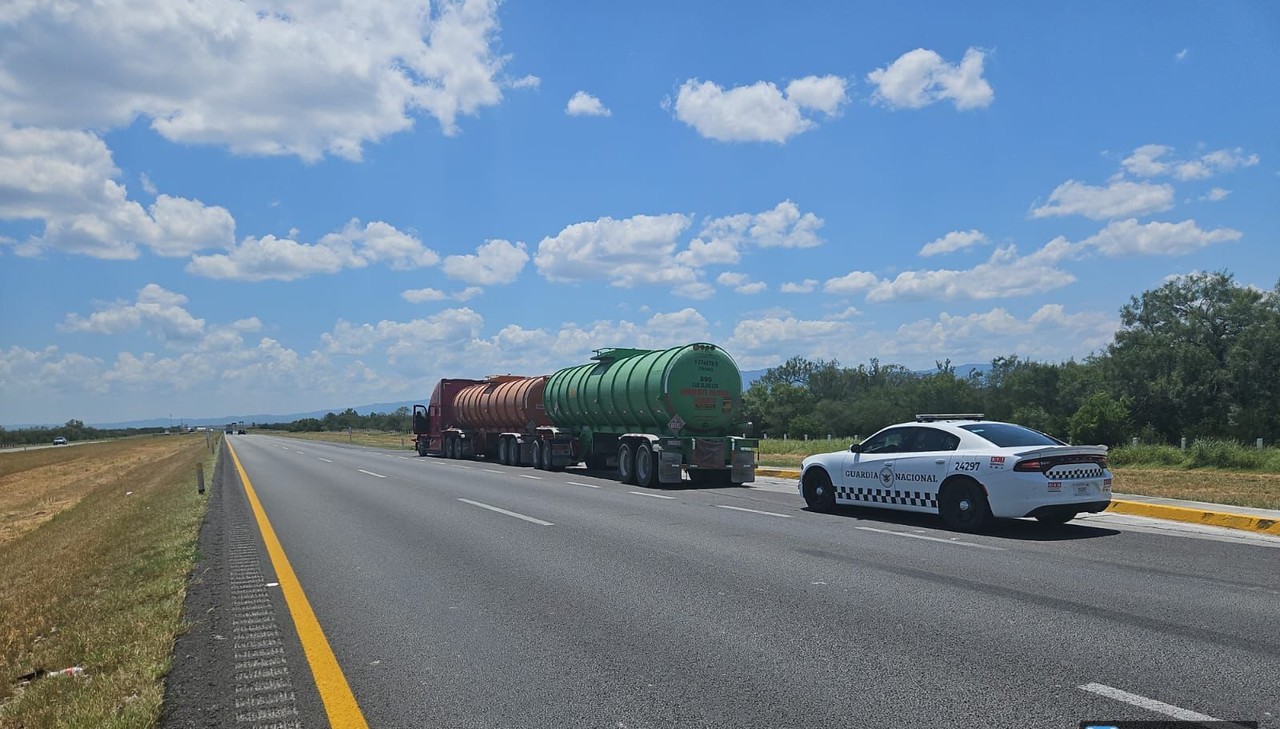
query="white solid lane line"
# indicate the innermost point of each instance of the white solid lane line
(932, 539)
(371, 473)
(753, 511)
(1159, 707)
(326, 460)
(525, 475)
(588, 485)
(656, 496)
(508, 513)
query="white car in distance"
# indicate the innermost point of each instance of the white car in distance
(963, 468)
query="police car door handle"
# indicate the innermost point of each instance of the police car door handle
(940, 461)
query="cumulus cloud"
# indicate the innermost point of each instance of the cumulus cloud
(325, 78)
(1117, 199)
(741, 283)
(68, 181)
(921, 77)
(418, 296)
(282, 259)
(629, 252)
(1129, 237)
(526, 82)
(1217, 194)
(494, 262)
(760, 112)
(1152, 160)
(954, 241)
(1004, 274)
(157, 310)
(584, 104)
(807, 286)
(851, 283)
(721, 239)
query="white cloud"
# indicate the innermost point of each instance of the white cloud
(1152, 160)
(467, 294)
(1217, 194)
(721, 239)
(807, 286)
(1004, 274)
(1129, 237)
(68, 181)
(954, 241)
(325, 78)
(494, 262)
(156, 309)
(1117, 199)
(921, 77)
(759, 112)
(1180, 55)
(977, 337)
(148, 186)
(851, 283)
(584, 104)
(526, 82)
(741, 283)
(418, 296)
(629, 252)
(281, 259)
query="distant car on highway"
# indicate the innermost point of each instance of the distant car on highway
(963, 468)
(59, 441)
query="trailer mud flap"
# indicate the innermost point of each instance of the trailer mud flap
(708, 453)
(669, 467)
(744, 467)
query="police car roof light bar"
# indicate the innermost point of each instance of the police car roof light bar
(932, 417)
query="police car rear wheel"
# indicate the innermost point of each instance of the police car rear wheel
(963, 506)
(818, 491)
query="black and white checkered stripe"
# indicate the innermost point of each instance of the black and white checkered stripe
(887, 496)
(1070, 474)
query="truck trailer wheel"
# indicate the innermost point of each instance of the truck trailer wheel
(646, 466)
(504, 451)
(626, 463)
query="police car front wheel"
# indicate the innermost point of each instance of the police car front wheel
(819, 494)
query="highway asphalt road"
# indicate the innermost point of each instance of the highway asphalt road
(465, 594)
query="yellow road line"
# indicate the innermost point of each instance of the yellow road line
(339, 703)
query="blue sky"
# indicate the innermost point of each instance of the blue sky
(286, 206)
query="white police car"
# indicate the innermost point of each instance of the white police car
(963, 468)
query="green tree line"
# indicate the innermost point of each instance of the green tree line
(396, 421)
(1198, 357)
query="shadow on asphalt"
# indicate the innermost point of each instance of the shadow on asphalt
(1026, 530)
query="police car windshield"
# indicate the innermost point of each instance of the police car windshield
(1004, 435)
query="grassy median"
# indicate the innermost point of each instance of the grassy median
(96, 542)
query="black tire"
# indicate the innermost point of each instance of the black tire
(421, 448)
(1056, 517)
(504, 451)
(546, 456)
(963, 506)
(537, 454)
(646, 466)
(626, 464)
(448, 448)
(819, 494)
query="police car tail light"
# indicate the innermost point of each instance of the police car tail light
(1032, 464)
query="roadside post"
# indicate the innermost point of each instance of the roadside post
(200, 478)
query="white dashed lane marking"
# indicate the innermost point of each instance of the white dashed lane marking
(953, 542)
(753, 511)
(536, 478)
(588, 485)
(508, 513)
(1159, 707)
(371, 473)
(326, 460)
(655, 496)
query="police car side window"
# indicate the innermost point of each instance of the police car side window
(890, 441)
(929, 439)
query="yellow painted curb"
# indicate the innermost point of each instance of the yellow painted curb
(1196, 516)
(1138, 508)
(339, 703)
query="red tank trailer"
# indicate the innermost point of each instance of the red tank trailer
(495, 417)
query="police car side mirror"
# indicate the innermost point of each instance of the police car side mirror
(855, 448)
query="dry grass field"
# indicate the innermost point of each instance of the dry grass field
(95, 545)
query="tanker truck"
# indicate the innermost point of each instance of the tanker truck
(654, 415)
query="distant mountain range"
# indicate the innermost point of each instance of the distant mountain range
(748, 377)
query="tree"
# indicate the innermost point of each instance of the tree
(1101, 420)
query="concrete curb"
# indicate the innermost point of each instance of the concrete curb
(1140, 508)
